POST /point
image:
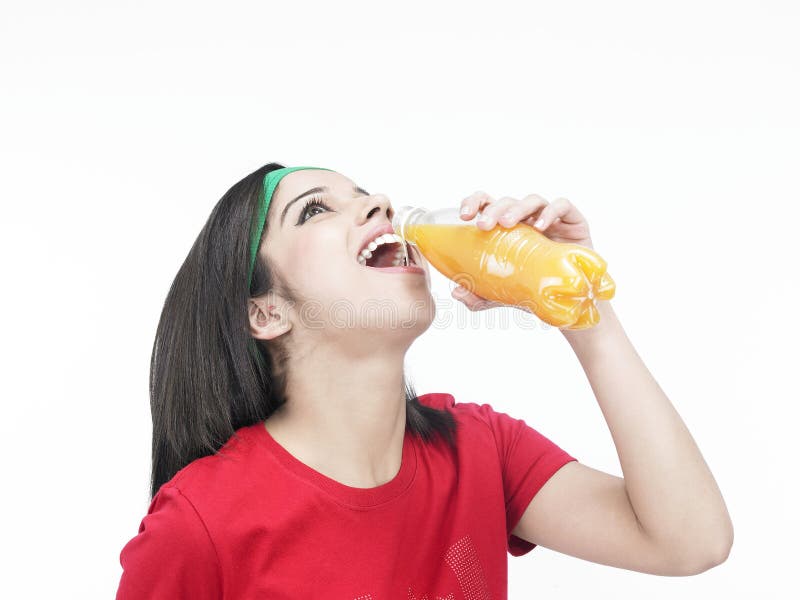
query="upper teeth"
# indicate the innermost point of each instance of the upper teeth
(386, 238)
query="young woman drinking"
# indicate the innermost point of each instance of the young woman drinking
(292, 459)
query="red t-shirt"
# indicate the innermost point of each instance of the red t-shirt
(254, 522)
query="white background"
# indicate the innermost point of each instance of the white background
(672, 126)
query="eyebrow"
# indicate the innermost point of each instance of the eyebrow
(314, 191)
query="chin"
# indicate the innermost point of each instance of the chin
(418, 314)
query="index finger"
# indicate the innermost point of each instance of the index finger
(473, 203)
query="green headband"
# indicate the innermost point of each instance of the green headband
(270, 183)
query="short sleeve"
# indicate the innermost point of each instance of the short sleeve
(528, 460)
(172, 556)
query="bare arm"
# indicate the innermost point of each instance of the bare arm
(666, 515)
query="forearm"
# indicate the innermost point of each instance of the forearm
(670, 487)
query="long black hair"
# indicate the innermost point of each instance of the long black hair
(208, 375)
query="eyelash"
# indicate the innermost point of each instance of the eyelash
(314, 201)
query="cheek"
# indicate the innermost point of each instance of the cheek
(318, 262)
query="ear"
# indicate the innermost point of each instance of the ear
(269, 316)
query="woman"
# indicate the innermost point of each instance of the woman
(291, 459)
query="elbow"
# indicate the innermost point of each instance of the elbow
(709, 559)
(723, 550)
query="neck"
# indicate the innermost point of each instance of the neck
(345, 416)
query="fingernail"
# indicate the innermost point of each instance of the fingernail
(539, 224)
(464, 210)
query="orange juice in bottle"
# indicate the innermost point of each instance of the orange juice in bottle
(519, 266)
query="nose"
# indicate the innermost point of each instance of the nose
(374, 205)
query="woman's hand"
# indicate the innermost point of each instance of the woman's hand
(559, 221)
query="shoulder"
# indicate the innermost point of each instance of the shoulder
(481, 422)
(472, 415)
(173, 521)
(221, 470)
(438, 400)
(482, 412)
(172, 552)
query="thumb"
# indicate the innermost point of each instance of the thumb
(472, 300)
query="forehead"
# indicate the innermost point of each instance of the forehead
(297, 182)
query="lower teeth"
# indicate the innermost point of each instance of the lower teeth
(400, 259)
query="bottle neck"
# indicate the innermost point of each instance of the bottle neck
(405, 216)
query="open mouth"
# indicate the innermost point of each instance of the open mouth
(386, 251)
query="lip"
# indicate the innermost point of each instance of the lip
(380, 230)
(409, 269)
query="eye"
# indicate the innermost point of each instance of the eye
(309, 209)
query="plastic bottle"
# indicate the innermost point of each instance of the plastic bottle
(519, 266)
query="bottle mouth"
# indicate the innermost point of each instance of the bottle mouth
(402, 217)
